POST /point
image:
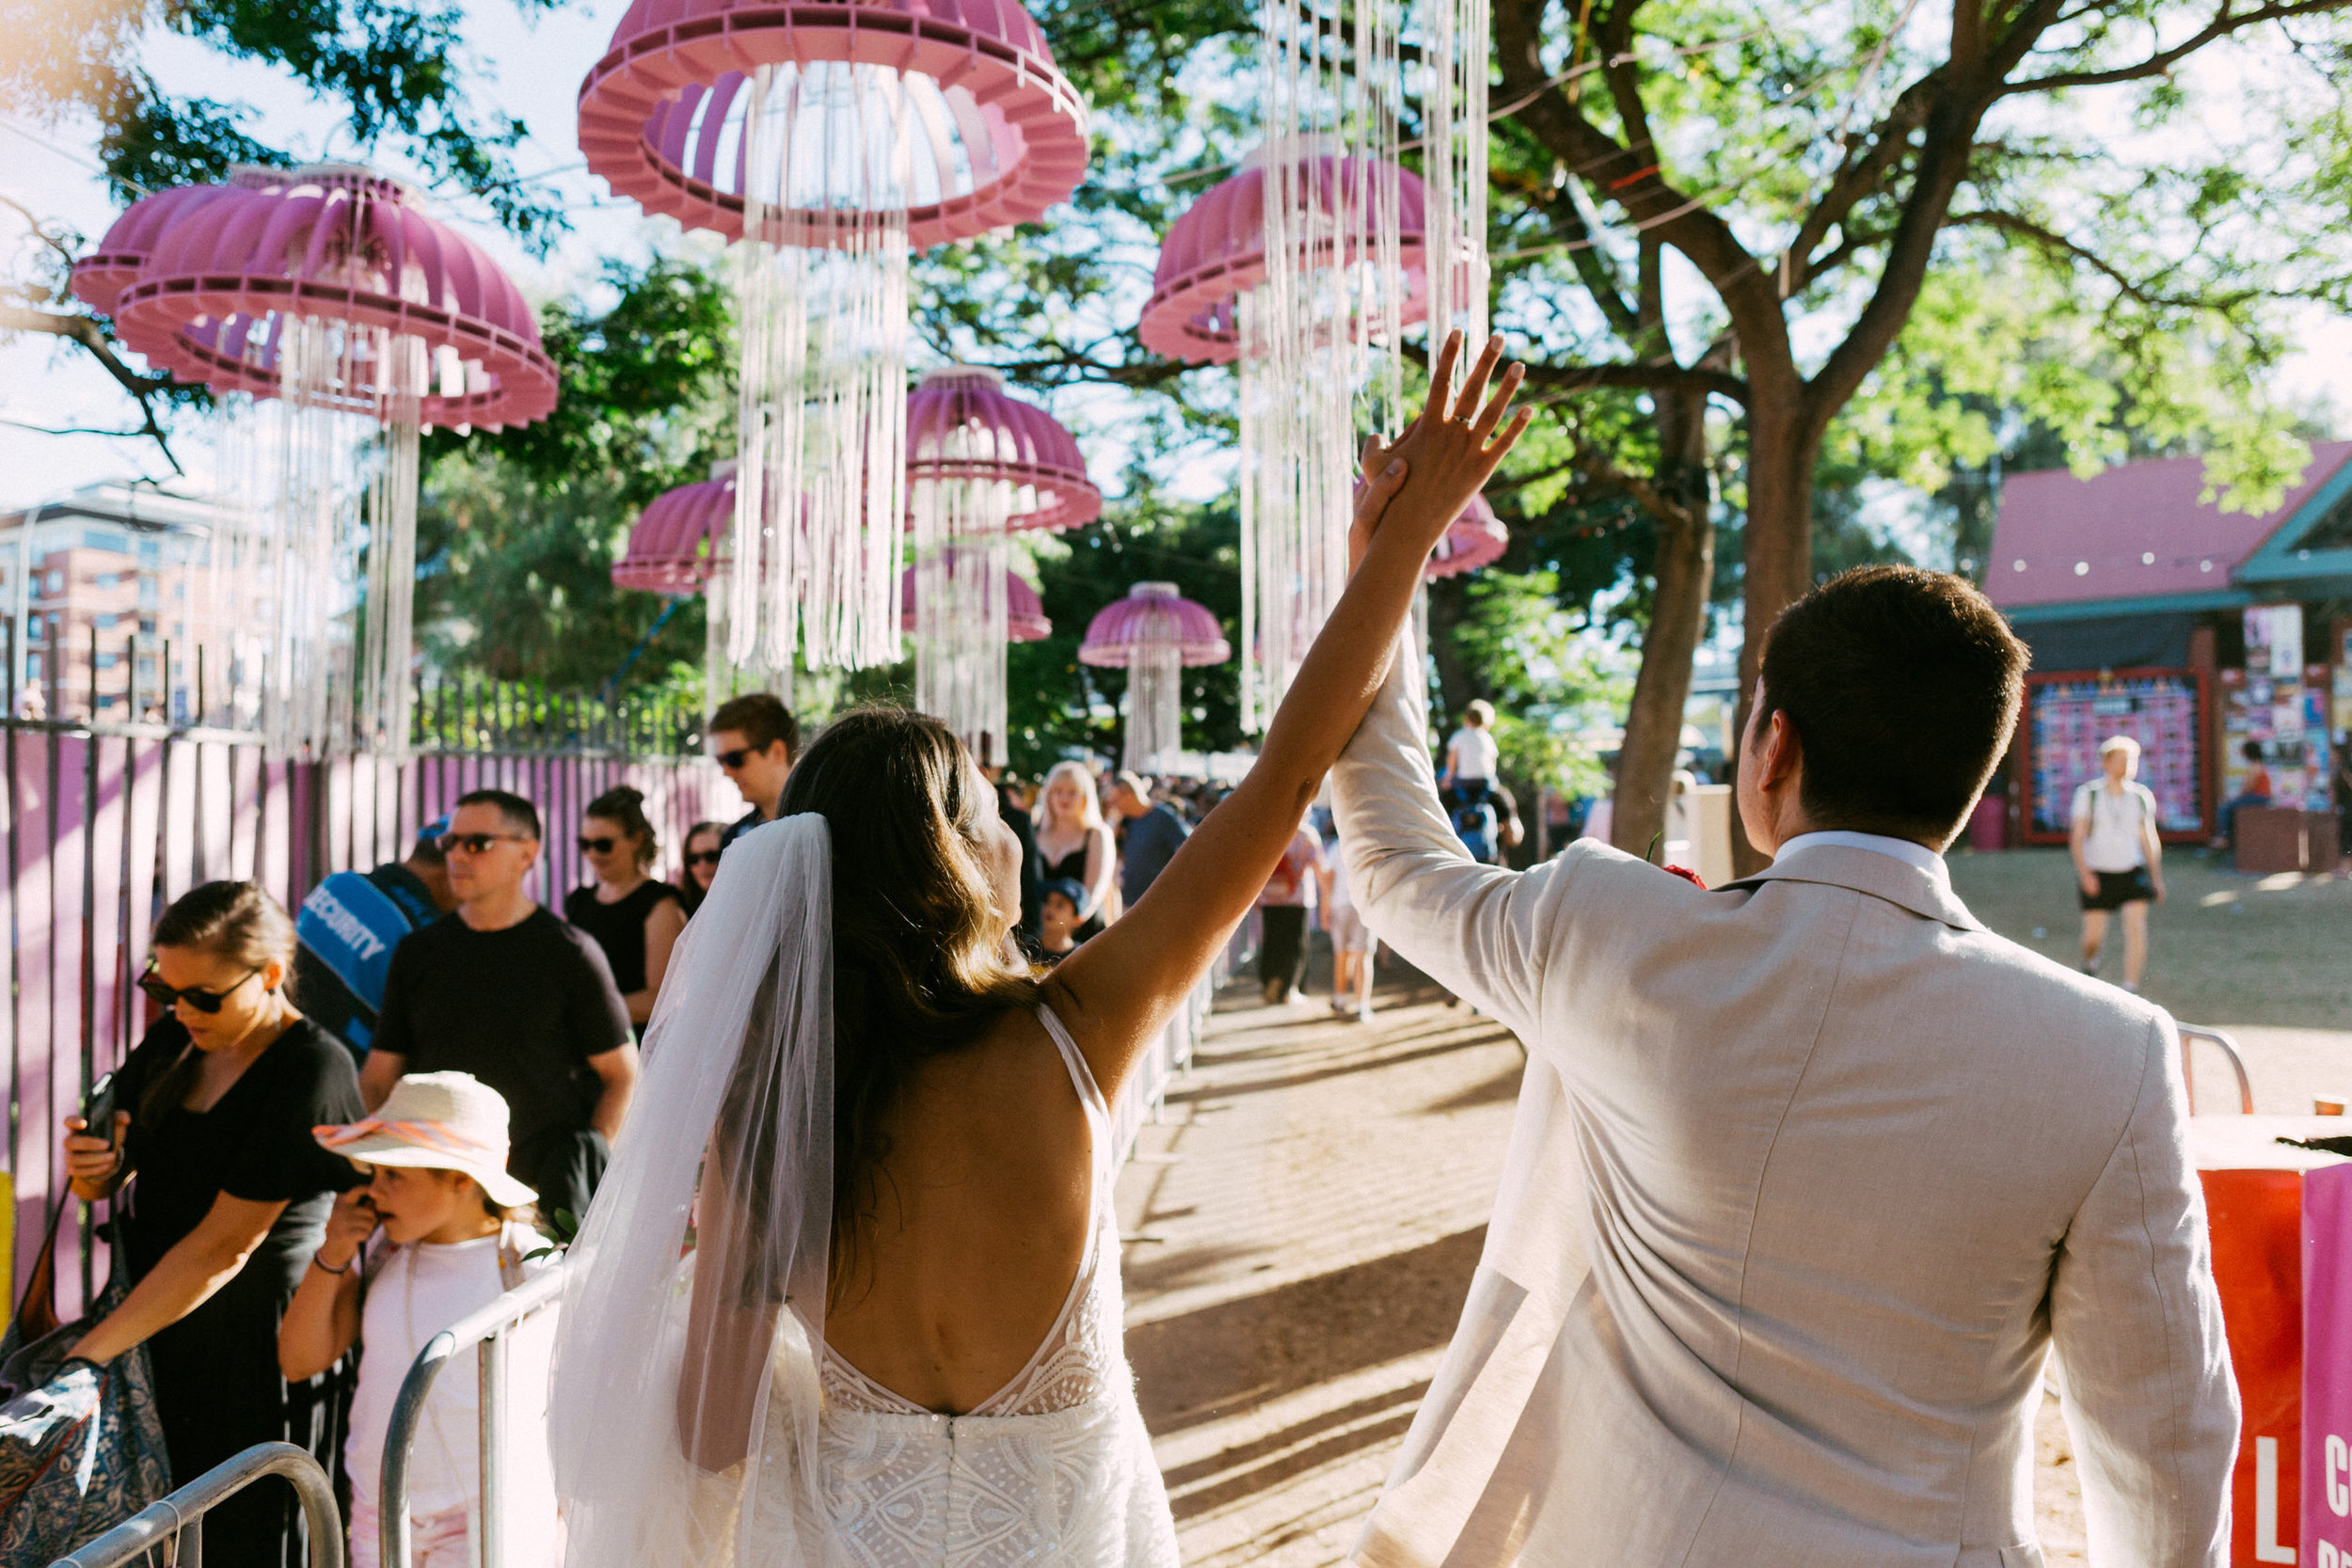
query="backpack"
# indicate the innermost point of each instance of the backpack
(81, 1447)
(1474, 824)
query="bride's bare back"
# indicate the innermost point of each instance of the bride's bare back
(982, 1212)
(983, 1206)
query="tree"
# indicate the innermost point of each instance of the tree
(1814, 171)
(397, 71)
(517, 531)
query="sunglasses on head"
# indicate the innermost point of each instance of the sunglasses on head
(598, 846)
(704, 856)
(168, 997)
(478, 844)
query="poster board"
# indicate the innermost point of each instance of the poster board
(2067, 715)
(2286, 720)
(2343, 722)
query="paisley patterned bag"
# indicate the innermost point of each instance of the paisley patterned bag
(81, 1447)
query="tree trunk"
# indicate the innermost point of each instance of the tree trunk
(1653, 722)
(1779, 557)
(1677, 502)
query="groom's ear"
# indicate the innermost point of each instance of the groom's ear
(1780, 754)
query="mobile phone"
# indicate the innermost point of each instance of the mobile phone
(97, 1108)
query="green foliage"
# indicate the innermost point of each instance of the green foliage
(397, 71)
(1545, 679)
(518, 528)
(1060, 707)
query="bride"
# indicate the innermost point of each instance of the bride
(849, 1297)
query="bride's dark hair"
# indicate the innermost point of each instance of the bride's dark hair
(919, 967)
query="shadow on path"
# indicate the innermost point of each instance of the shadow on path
(1205, 1364)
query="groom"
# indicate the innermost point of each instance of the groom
(1809, 1172)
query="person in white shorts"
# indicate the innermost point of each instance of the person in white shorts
(1351, 943)
(2118, 855)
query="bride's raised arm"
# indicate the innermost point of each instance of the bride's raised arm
(1118, 990)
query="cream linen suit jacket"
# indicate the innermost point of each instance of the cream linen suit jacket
(1808, 1175)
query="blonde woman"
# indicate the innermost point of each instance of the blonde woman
(1072, 841)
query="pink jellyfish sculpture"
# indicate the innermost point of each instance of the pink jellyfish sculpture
(829, 140)
(1153, 634)
(353, 319)
(1472, 542)
(678, 548)
(1304, 269)
(981, 466)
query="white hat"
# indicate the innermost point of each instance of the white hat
(435, 1122)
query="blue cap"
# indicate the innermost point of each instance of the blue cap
(1069, 889)
(430, 835)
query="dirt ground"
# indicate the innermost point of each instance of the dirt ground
(1301, 1221)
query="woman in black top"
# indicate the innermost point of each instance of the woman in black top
(228, 1201)
(635, 919)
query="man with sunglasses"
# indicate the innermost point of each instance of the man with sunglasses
(752, 739)
(505, 990)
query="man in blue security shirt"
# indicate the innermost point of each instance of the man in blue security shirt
(348, 927)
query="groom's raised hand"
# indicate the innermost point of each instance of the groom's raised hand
(1449, 452)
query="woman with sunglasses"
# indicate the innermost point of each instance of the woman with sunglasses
(222, 1194)
(634, 918)
(703, 841)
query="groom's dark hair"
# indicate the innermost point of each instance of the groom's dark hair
(1903, 687)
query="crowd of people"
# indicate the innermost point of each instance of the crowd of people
(858, 1300)
(354, 1125)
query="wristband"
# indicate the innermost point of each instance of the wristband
(324, 1269)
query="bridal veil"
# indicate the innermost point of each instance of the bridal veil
(685, 1406)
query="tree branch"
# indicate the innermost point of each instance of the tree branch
(1633, 180)
(86, 331)
(2131, 288)
(1648, 378)
(2222, 25)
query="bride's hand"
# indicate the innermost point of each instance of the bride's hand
(1448, 452)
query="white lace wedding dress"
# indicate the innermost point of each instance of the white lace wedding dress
(1055, 1467)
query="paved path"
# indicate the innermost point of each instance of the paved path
(1301, 1226)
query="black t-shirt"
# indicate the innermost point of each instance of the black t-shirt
(522, 1010)
(619, 926)
(255, 1143)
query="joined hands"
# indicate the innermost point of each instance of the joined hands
(1445, 456)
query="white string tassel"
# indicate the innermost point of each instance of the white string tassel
(1155, 706)
(386, 687)
(962, 550)
(318, 507)
(1320, 335)
(820, 491)
(1454, 110)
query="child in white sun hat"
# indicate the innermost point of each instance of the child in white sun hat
(436, 1234)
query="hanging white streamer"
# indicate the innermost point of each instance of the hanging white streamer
(1319, 336)
(385, 692)
(962, 552)
(1453, 109)
(1155, 706)
(822, 292)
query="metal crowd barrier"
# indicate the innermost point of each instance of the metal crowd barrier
(176, 1523)
(2190, 1033)
(1172, 1052)
(485, 1333)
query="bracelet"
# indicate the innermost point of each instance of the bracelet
(324, 1269)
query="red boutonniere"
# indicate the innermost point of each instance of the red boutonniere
(1687, 874)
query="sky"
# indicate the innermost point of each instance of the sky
(530, 66)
